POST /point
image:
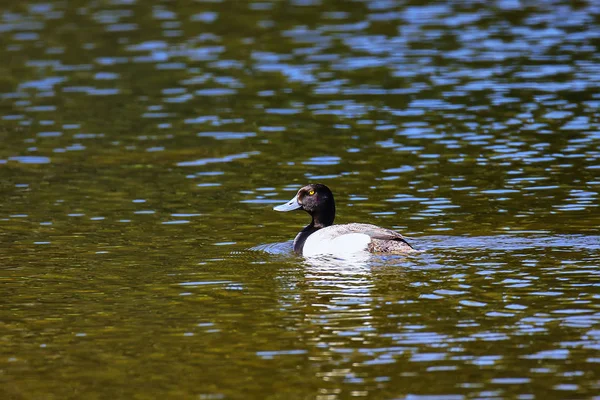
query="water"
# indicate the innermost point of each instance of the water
(145, 143)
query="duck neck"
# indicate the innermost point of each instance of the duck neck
(324, 217)
(321, 218)
(302, 236)
(316, 224)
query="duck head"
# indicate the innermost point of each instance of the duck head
(317, 200)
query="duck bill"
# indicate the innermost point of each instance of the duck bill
(289, 206)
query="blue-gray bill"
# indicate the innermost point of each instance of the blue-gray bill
(289, 206)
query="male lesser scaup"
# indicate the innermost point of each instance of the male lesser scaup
(322, 237)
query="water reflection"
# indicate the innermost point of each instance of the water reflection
(347, 303)
(142, 144)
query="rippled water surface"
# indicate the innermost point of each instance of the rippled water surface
(144, 144)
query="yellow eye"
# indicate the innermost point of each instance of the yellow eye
(311, 192)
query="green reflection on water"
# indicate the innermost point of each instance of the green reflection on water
(144, 145)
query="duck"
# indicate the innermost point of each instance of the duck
(322, 237)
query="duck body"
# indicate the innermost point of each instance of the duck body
(322, 237)
(351, 238)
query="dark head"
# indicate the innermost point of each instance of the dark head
(317, 200)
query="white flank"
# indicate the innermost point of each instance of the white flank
(318, 244)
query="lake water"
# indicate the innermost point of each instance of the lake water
(143, 145)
